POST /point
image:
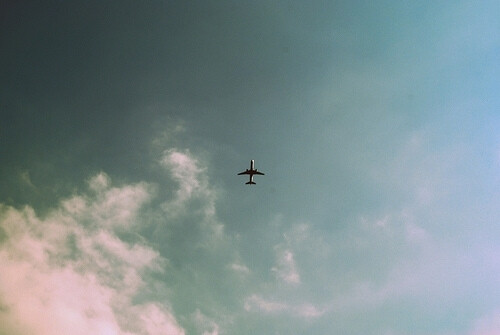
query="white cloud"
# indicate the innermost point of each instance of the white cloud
(85, 268)
(299, 236)
(70, 272)
(185, 170)
(415, 233)
(286, 269)
(256, 302)
(99, 182)
(306, 310)
(288, 290)
(119, 206)
(194, 196)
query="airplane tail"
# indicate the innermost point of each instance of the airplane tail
(250, 183)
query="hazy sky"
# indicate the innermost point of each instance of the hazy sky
(124, 124)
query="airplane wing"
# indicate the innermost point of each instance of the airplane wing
(258, 172)
(244, 172)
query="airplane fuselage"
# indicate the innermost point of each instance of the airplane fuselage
(251, 172)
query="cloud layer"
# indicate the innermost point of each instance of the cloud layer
(128, 259)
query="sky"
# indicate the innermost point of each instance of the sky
(124, 124)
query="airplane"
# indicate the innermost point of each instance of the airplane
(251, 172)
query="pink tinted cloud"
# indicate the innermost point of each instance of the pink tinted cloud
(70, 273)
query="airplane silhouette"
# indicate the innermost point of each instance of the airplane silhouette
(251, 172)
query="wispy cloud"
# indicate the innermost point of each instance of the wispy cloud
(240, 268)
(487, 325)
(185, 170)
(25, 178)
(423, 272)
(194, 197)
(305, 310)
(204, 324)
(285, 295)
(286, 269)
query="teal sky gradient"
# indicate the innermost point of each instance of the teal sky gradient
(124, 124)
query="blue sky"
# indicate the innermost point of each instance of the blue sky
(125, 123)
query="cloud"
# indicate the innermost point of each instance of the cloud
(71, 271)
(306, 310)
(117, 206)
(288, 295)
(298, 236)
(423, 277)
(185, 170)
(194, 198)
(286, 269)
(204, 324)
(259, 303)
(122, 259)
(240, 268)
(487, 325)
(396, 226)
(25, 179)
